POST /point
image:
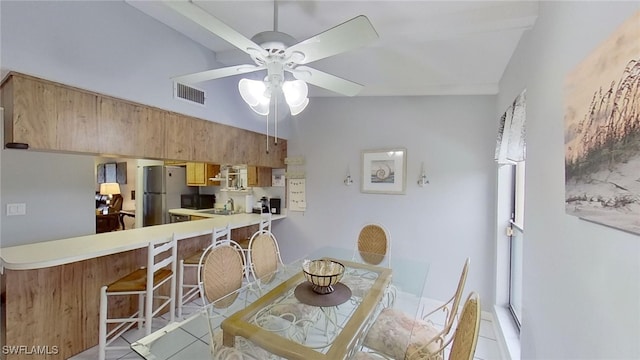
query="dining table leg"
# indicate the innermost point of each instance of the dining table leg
(228, 339)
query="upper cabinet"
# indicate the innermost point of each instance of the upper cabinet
(198, 174)
(258, 176)
(50, 116)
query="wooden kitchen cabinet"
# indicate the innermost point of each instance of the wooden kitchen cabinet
(259, 176)
(49, 116)
(198, 174)
(119, 123)
(196, 217)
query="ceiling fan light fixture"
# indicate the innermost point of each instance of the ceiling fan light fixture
(261, 109)
(295, 92)
(253, 92)
(295, 110)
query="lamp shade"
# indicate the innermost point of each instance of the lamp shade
(109, 188)
(253, 92)
(295, 93)
(295, 110)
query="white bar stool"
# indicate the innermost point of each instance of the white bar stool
(161, 268)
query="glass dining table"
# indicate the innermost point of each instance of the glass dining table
(278, 317)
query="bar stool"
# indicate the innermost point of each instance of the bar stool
(161, 267)
(189, 291)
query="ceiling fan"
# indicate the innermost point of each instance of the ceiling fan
(283, 58)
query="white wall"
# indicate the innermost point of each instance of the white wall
(443, 222)
(59, 193)
(581, 280)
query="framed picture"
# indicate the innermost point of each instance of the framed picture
(384, 171)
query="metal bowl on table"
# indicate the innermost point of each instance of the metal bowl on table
(323, 274)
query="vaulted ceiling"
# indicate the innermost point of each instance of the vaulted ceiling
(424, 47)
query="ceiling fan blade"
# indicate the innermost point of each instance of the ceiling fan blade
(216, 26)
(216, 73)
(327, 81)
(349, 35)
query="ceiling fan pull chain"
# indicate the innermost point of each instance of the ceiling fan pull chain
(275, 122)
(267, 132)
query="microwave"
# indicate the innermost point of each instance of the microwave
(197, 201)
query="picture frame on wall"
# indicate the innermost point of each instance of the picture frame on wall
(384, 171)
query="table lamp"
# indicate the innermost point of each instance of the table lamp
(109, 189)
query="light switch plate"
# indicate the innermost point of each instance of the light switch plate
(16, 209)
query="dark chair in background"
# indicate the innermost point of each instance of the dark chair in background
(111, 220)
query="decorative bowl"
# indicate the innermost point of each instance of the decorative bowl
(322, 274)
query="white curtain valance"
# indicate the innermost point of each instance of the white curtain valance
(510, 145)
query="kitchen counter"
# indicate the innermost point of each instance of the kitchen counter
(205, 213)
(65, 251)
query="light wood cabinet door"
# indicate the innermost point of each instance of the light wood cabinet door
(195, 174)
(48, 116)
(259, 176)
(30, 109)
(119, 123)
(196, 217)
(151, 135)
(178, 137)
(198, 174)
(77, 123)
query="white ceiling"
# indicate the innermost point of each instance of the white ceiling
(425, 47)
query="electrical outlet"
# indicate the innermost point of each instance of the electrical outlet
(16, 209)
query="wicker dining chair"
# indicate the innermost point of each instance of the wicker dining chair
(393, 331)
(264, 256)
(188, 290)
(220, 280)
(221, 273)
(373, 245)
(463, 342)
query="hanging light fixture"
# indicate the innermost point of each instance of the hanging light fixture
(257, 94)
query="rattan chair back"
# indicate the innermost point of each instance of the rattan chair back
(264, 255)
(222, 271)
(457, 296)
(373, 243)
(465, 338)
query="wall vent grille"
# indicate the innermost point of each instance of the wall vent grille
(189, 93)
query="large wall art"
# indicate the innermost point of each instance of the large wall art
(602, 132)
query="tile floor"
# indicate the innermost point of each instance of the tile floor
(196, 336)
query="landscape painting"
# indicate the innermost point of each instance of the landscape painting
(602, 132)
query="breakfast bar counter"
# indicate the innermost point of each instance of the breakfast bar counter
(65, 251)
(50, 290)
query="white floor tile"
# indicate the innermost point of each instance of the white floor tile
(195, 338)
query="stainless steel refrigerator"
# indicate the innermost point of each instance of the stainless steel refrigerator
(163, 186)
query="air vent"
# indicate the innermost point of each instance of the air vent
(188, 93)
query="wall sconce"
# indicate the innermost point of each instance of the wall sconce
(348, 180)
(422, 180)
